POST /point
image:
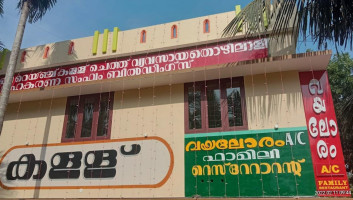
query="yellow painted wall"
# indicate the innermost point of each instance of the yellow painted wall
(158, 38)
(41, 122)
(274, 98)
(34, 122)
(161, 116)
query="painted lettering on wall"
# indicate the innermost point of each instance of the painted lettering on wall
(209, 145)
(253, 168)
(103, 164)
(243, 155)
(329, 168)
(138, 65)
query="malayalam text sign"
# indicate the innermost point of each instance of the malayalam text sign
(117, 163)
(325, 143)
(257, 164)
(180, 59)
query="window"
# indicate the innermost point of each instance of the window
(174, 32)
(71, 48)
(206, 26)
(143, 36)
(216, 105)
(88, 117)
(23, 56)
(46, 52)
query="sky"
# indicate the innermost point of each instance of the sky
(71, 19)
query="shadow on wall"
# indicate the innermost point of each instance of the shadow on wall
(145, 97)
(273, 99)
(4, 194)
(32, 122)
(283, 45)
(56, 52)
(45, 140)
(271, 108)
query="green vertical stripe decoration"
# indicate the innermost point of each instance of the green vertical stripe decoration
(105, 41)
(95, 42)
(265, 19)
(115, 39)
(237, 11)
(2, 58)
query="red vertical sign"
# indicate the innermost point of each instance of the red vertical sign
(325, 143)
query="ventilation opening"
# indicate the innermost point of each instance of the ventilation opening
(143, 36)
(23, 56)
(174, 32)
(46, 52)
(206, 26)
(71, 48)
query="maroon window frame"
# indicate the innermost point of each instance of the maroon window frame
(222, 85)
(79, 102)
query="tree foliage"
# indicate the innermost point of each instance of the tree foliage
(2, 46)
(1, 13)
(323, 20)
(31, 11)
(341, 81)
(1, 7)
(37, 8)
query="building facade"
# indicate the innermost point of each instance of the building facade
(172, 110)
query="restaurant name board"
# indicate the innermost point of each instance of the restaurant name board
(260, 163)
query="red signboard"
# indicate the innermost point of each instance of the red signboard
(199, 56)
(325, 144)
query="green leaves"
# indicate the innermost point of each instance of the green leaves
(37, 8)
(342, 93)
(339, 76)
(324, 20)
(251, 16)
(2, 46)
(1, 7)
